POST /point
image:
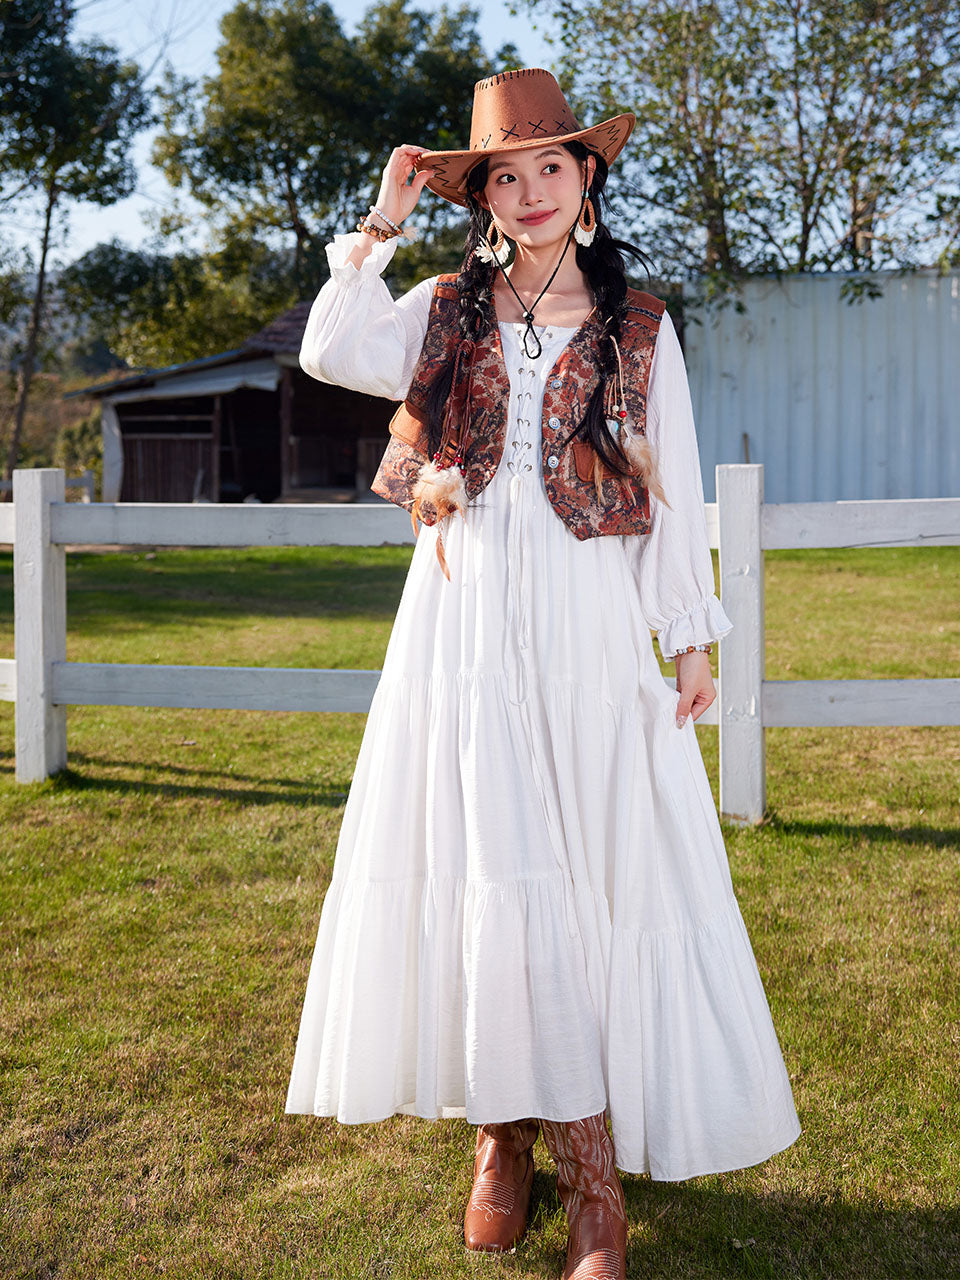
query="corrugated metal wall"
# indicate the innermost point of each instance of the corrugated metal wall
(836, 400)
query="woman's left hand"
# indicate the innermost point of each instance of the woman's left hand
(694, 684)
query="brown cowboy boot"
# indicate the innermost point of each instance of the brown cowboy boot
(496, 1213)
(592, 1196)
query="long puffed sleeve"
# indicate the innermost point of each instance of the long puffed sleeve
(674, 568)
(357, 336)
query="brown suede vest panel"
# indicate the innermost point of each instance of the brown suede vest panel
(622, 504)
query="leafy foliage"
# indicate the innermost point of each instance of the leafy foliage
(778, 134)
(287, 141)
(13, 290)
(68, 113)
(156, 309)
(430, 256)
(79, 447)
(68, 116)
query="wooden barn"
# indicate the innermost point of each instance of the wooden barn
(247, 423)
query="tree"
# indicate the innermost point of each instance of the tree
(287, 140)
(79, 447)
(155, 308)
(13, 286)
(67, 118)
(777, 134)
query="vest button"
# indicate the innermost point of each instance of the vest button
(553, 461)
(557, 383)
(553, 422)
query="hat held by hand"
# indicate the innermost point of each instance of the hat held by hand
(514, 111)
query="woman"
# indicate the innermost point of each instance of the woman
(531, 920)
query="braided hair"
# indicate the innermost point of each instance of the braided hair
(602, 263)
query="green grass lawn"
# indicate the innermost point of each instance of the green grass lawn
(159, 905)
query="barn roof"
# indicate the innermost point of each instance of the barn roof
(146, 377)
(282, 336)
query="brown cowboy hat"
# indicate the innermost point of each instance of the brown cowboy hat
(514, 111)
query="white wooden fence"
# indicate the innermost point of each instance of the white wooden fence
(86, 481)
(40, 524)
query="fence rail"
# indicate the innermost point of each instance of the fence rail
(40, 524)
(917, 522)
(252, 688)
(237, 524)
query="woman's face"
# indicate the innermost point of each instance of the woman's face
(534, 195)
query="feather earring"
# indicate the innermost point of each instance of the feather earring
(586, 227)
(494, 247)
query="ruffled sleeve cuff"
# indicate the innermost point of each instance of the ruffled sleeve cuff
(701, 625)
(344, 273)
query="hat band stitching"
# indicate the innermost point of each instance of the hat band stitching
(492, 81)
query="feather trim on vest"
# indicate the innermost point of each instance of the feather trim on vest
(589, 498)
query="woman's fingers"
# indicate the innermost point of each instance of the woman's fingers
(695, 686)
(401, 185)
(694, 702)
(420, 180)
(702, 700)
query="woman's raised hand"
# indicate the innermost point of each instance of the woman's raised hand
(398, 197)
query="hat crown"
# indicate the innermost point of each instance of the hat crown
(514, 111)
(517, 107)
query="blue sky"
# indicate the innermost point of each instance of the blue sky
(186, 34)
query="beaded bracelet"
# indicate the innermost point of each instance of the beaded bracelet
(379, 233)
(389, 221)
(694, 648)
(371, 228)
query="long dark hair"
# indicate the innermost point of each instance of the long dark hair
(602, 262)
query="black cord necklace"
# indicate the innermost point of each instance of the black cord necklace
(529, 332)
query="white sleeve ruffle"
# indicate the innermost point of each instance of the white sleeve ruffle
(674, 569)
(357, 336)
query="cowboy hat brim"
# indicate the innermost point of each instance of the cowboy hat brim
(452, 167)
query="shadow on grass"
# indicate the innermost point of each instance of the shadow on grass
(228, 775)
(715, 1231)
(706, 1229)
(297, 792)
(301, 791)
(871, 832)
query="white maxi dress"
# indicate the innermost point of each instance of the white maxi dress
(531, 910)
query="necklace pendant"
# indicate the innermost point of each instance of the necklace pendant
(537, 350)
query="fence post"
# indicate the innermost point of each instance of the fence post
(40, 624)
(743, 776)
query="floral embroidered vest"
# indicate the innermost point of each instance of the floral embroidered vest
(590, 504)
